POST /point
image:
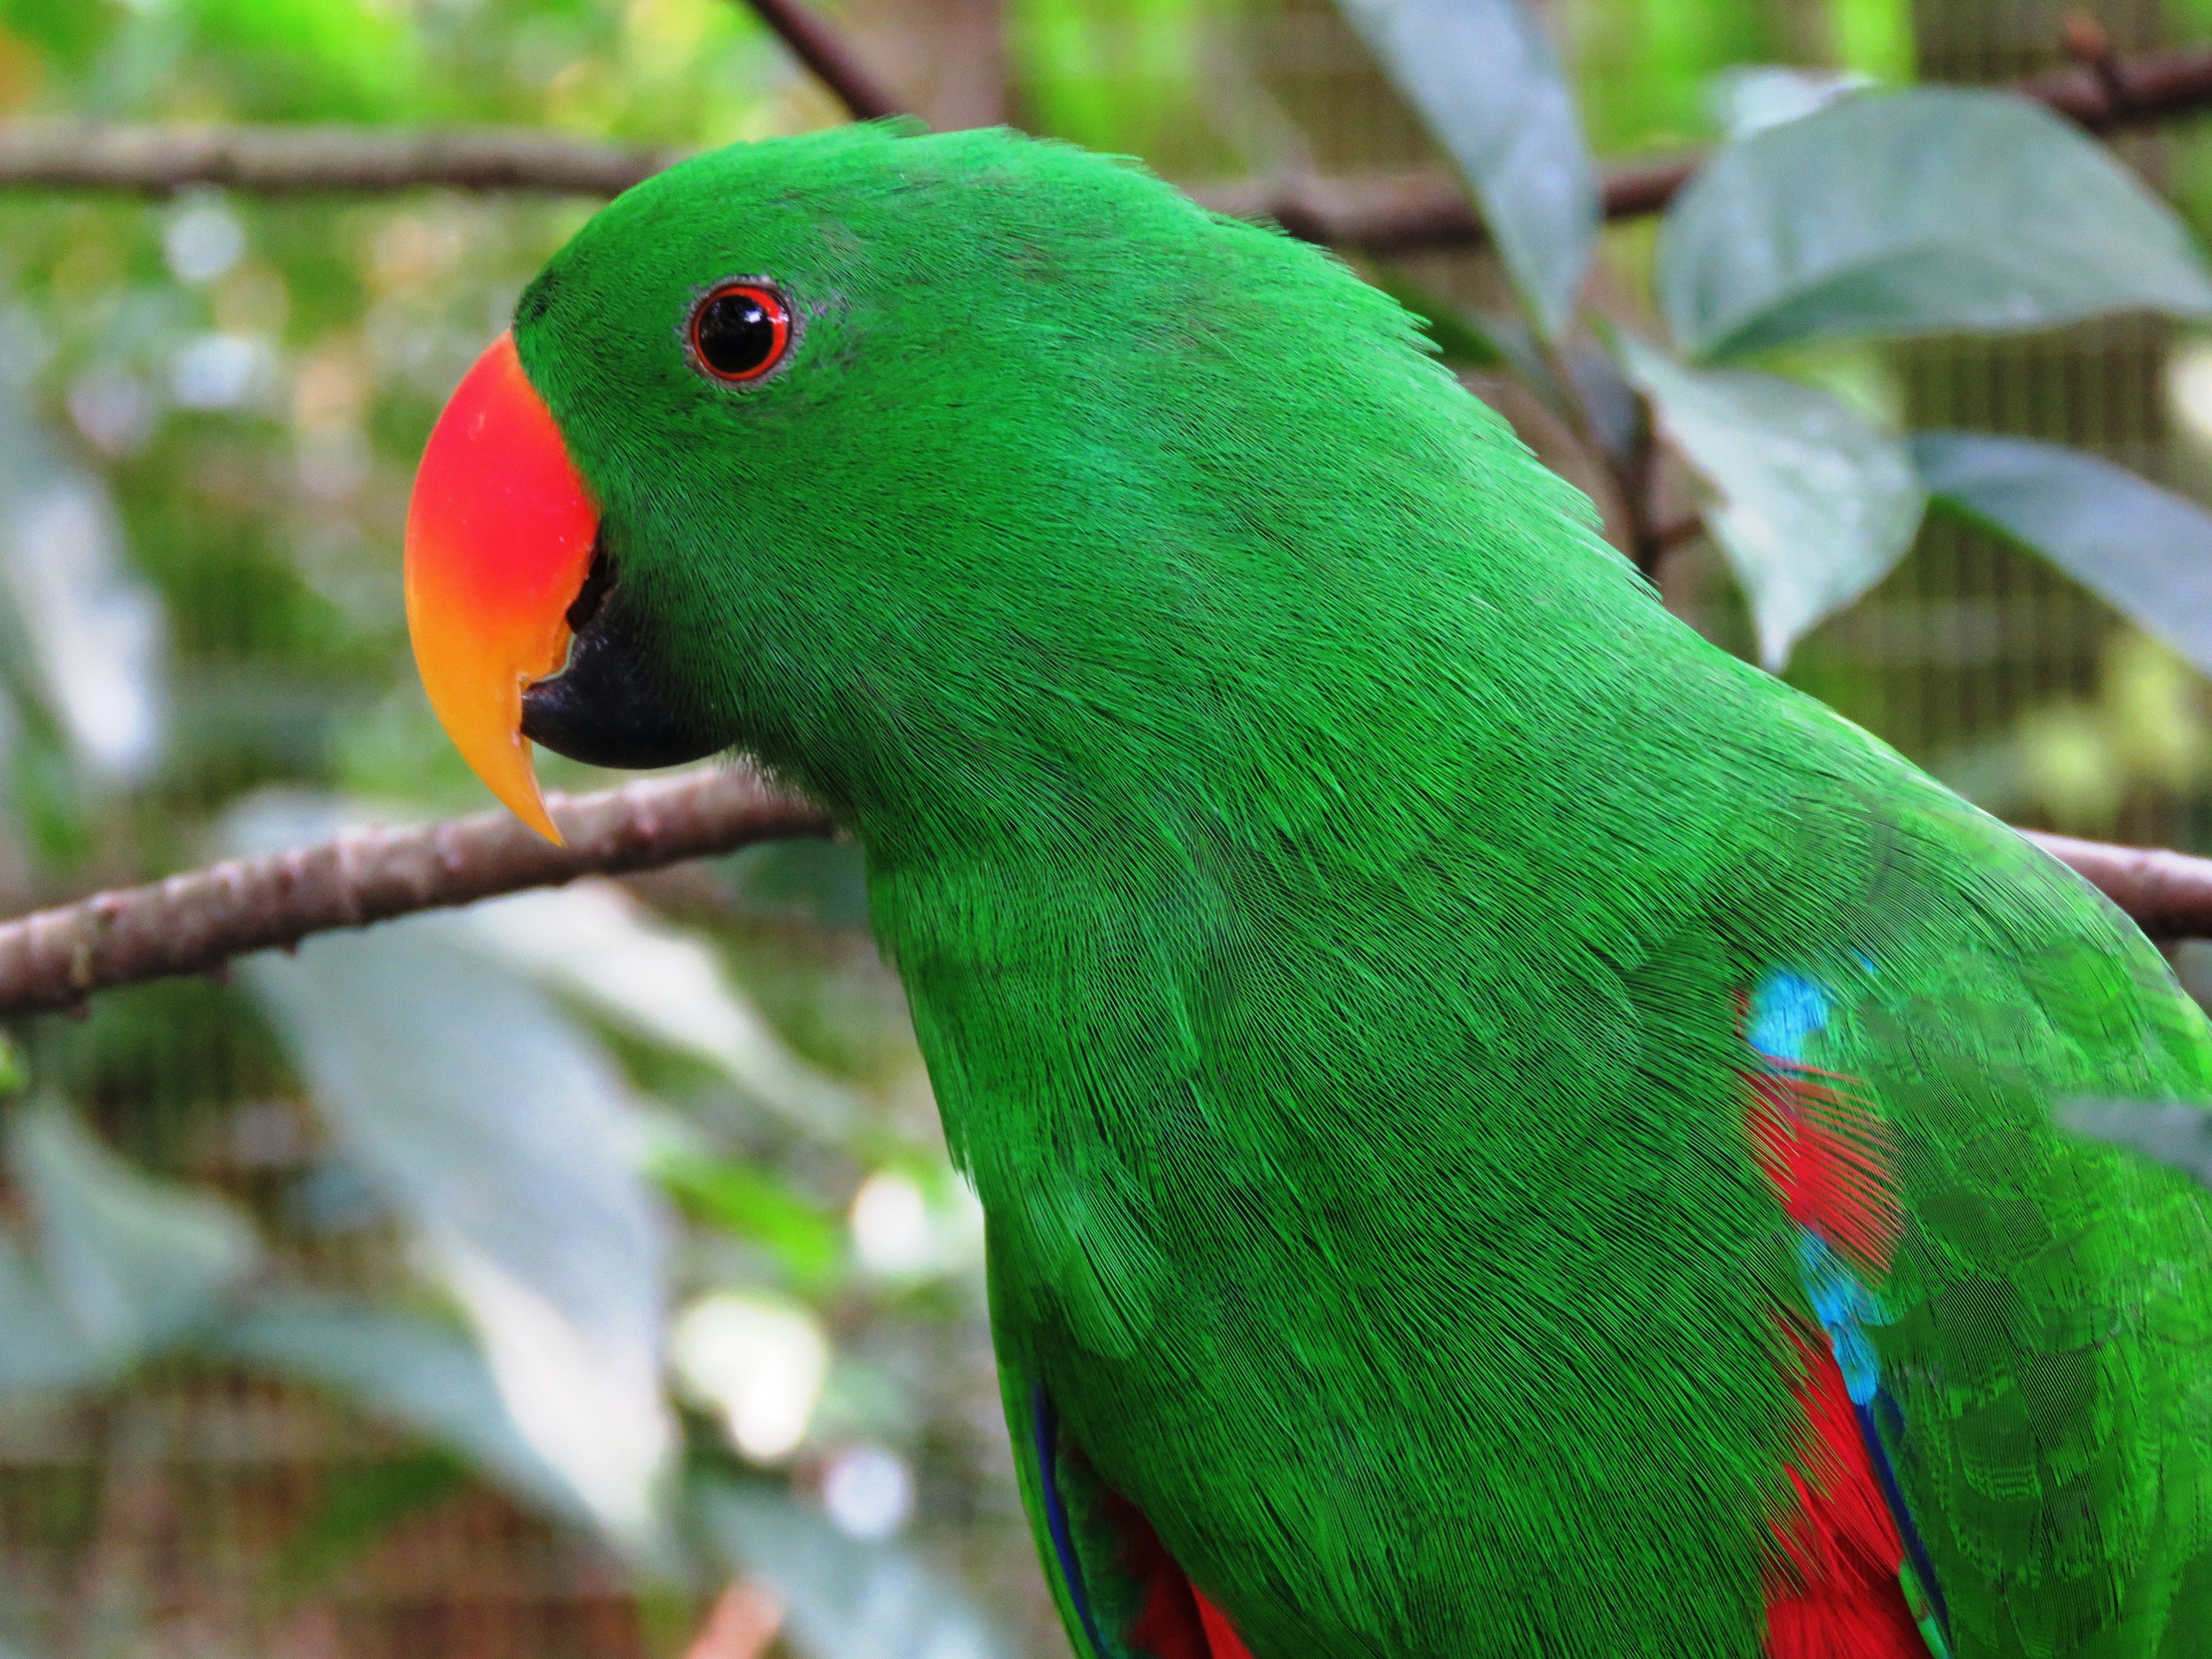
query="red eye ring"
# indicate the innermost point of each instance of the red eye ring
(740, 332)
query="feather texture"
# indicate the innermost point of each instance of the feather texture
(1327, 885)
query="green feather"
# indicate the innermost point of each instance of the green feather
(1324, 877)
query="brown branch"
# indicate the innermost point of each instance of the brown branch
(815, 42)
(1379, 215)
(1411, 212)
(156, 159)
(1431, 211)
(2168, 893)
(2088, 44)
(195, 923)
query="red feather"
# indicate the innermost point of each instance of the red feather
(1175, 1621)
(1833, 1593)
(1219, 1632)
(1823, 1152)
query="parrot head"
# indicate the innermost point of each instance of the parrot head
(909, 463)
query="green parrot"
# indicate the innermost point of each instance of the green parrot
(1504, 1129)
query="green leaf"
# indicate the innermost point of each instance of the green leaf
(591, 942)
(490, 1119)
(1912, 213)
(1486, 82)
(2170, 1132)
(2145, 551)
(1813, 504)
(752, 1203)
(130, 1263)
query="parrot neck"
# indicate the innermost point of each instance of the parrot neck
(1294, 869)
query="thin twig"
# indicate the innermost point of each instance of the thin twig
(2135, 91)
(272, 161)
(53, 959)
(744, 1625)
(2090, 44)
(1627, 474)
(1667, 536)
(192, 923)
(817, 43)
(1376, 215)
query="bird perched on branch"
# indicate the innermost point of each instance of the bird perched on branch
(1504, 1129)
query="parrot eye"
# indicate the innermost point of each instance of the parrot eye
(740, 332)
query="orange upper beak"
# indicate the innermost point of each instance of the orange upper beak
(499, 542)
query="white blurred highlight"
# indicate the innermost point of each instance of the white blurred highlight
(2189, 388)
(869, 1493)
(203, 239)
(590, 1408)
(96, 630)
(891, 1224)
(760, 1364)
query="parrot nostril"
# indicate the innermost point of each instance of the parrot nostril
(597, 581)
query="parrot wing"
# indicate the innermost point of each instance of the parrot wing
(1120, 1594)
(2019, 1318)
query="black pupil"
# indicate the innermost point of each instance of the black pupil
(736, 333)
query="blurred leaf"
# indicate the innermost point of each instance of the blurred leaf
(843, 1598)
(1748, 98)
(1816, 506)
(1486, 82)
(129, 1263)
(12, 1075)
(120, 1265)
(85, 632)
(2175, 1134)
(491, 1119)
(1643, 68)
(592, 941)
(1615, 412)
(408, 1370)
(68, 32)
(2154, 706)
(2145, 551)
(1912, 213)
(1120, 76)
(42, 1350)
(752, 1204)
